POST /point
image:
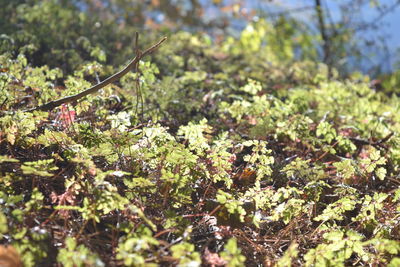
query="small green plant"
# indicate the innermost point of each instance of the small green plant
(239, 152)
(77, 255)
(232, 254)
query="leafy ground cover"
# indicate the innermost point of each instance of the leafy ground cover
(221, 153)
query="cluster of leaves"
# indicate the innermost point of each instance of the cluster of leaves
(225, 154)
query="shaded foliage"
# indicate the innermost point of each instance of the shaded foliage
(228, 153)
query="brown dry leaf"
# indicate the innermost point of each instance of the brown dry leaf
(252, 120)
(245, 177)
(9, 257)
(155, 3)
(220, 56)
(53, 197)
(213, 259)
(67, 198)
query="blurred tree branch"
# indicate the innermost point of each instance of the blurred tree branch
(132, 65)
(326, 42)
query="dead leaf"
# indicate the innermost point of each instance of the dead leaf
(65, 117)
(155, 3)
(213, 259)
(220, 56)
(9, 257)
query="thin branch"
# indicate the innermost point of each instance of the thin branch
(374, 21)
(290, 11)
(136, 42)
(324, 35)
(377, 144)
(132, 65)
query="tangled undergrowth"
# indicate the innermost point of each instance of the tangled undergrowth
(220, 154)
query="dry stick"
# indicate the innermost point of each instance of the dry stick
(137, 81)
(326, 45)
(52, 104)
(376, 144)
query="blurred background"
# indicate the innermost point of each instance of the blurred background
(348, 35)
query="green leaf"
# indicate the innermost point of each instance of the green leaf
(232, 254)
(39, 168)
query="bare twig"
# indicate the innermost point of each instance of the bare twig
(132, 65)
(324, 35)
(136, 42)
(137, 80)
(381, 16)
(378, 143)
